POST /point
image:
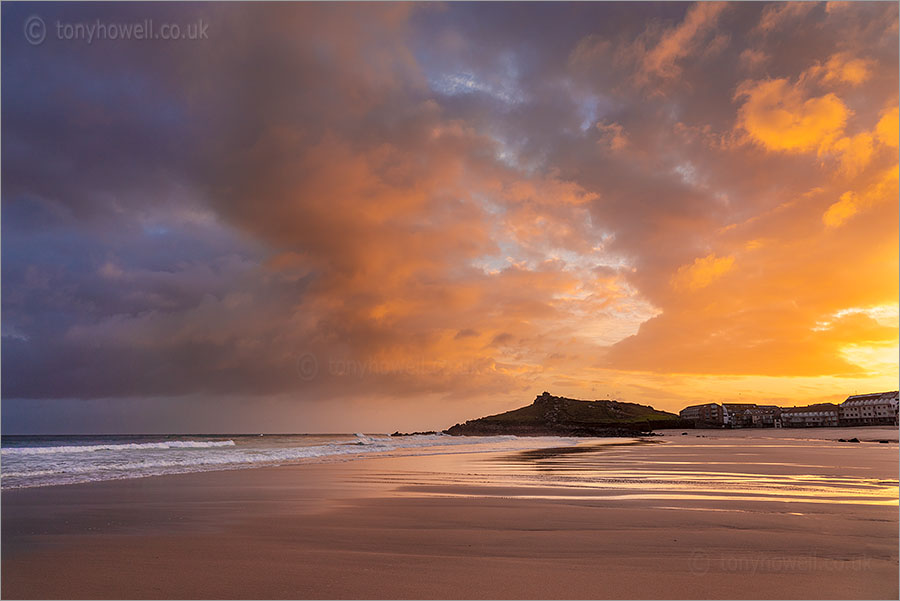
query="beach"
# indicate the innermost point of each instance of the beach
(454, 300)
(709, 514)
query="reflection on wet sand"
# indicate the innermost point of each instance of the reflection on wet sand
(710, 472)
(544, 457)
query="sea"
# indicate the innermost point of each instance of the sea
(808, 463)
(30, 461)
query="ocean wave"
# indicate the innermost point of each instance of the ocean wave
(362, 439)
(135, 446)
(47, 466)
(236, 457)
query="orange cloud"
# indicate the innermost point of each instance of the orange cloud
(888, 129)
(842, 210)
(702, 272)
(784, 118)
(680, 41)
(613, 135)
(780, 117)
(842, 68)
(778, 14)
(855, 152)
(884, 189)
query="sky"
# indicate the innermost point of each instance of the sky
(371, 217)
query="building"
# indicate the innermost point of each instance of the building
(748, 415)
(813, 416)
(734, 414)
(858, 410)
(870, 409)
(751, 415)
(709, 414)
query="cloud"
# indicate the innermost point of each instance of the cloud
(682, 40)
(855, 152)
(884, 189)
(447, 208)
(845, 69)
(613, 135)
(702, 272)
(888, 129)
(752, 58)
(780, 117)
(780, 14)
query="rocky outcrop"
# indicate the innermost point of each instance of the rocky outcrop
(550, 415)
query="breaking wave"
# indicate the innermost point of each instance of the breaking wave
(175, 444)
(25, 467)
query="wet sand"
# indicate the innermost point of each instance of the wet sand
(678, 517)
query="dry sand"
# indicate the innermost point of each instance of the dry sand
(686, 518)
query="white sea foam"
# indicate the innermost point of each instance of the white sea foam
(175, 444)
(29, 466)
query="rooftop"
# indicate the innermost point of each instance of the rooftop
(875, 396)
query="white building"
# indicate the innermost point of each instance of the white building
(870, 409)
(813, 416)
